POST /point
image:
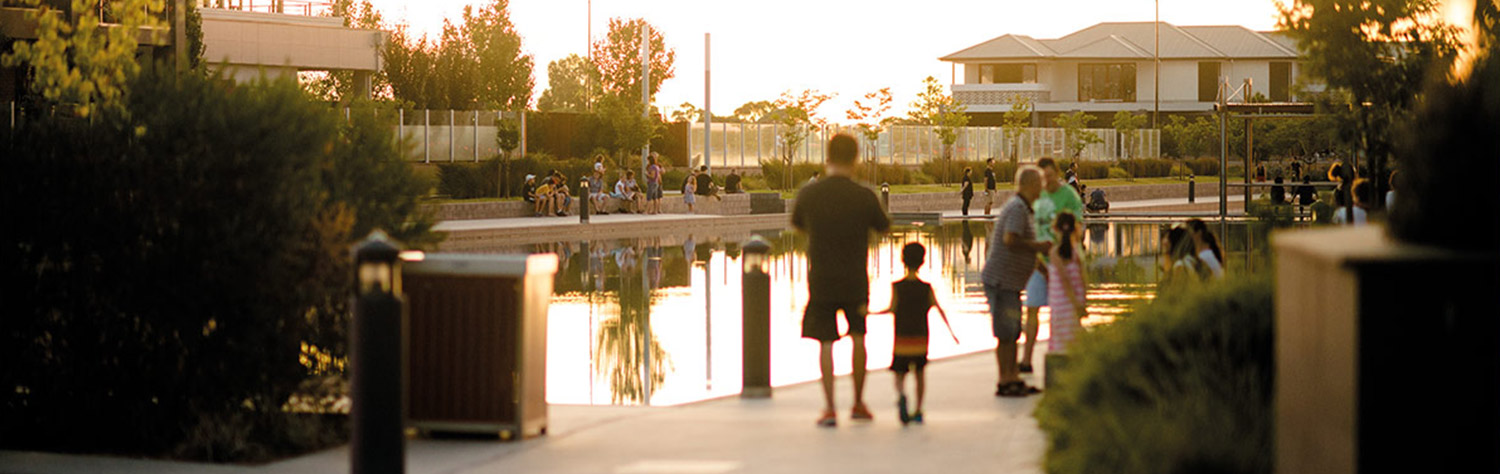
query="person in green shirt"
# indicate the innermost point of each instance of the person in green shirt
(1055, 198)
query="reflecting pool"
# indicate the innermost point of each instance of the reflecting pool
(656, 321)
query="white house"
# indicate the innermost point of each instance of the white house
(1109, 67)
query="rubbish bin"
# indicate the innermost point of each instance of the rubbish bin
(478, 343)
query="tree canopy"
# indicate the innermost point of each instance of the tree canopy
(618, 57)
(569, 84)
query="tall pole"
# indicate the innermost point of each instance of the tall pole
(708, 115)
(1156, 53)
(645, 87)
(588, 79)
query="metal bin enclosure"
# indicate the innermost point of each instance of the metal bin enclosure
(478, 342)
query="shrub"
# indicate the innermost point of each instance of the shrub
(774, 172)
(1116, 172)
(1089, 169)
(1147, 167)
(469, 180)
(1183, 384)
(173, 264)
(1204, 166)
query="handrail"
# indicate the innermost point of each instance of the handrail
(286, 7)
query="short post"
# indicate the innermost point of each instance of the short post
(584, 193)
(756, 310)
(377, 353)
(1192, 189)
(885, 196)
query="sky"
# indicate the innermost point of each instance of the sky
(849, 48)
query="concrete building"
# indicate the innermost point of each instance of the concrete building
(1110, 67)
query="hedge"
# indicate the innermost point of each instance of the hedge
(1183, 384)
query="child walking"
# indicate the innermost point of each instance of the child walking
(911, 300)
(1066, 291)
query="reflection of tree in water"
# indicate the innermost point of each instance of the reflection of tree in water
(627, 347)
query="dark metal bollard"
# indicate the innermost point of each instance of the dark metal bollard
(756, 318)
(885, 196)
(1192, 189)
(377, 354)
(584, 193)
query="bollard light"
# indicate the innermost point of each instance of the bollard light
(755, 251)
(755, 321)
(377, 261)
(885, 196)
(584, 194)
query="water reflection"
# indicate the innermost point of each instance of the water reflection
(657, 320)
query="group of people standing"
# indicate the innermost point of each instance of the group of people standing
(550, 194)
(1035, 247)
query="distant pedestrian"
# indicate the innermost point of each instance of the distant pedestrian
(1182, 263)
(1206, 247)
(1278, 192)
(653, 185)
(838, 216)
(989, 185)
(1306, 193)
(528, 189)
(1068, 289)
(1296, 169)
(562, 199)
(627, 191)
(966, 189)
(544, 196)
(814, 178)
(597, 197)
(1390, 195)
(1012, 258)
(911, 301)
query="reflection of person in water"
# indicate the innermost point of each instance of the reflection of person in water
(968, 239)
(625, 258)
(653, 262)
(596, 264)
(689, 251)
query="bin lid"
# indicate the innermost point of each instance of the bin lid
(478, 265)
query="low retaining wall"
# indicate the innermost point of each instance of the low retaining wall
(739, 204)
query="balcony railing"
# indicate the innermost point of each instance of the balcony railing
(288, 7)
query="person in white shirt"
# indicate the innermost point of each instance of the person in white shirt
(1362, 191)
(1207, 247)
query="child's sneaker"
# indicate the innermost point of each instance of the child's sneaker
(916, 418)
(901, 410)
(861, 413)
(829, 419)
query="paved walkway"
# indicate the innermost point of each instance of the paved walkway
(968, 429)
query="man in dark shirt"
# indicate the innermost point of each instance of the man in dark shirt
(706, 186)
(732, 183)
(838, 215)
(989, 185)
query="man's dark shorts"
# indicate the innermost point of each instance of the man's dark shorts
(1005, 312)
(818, 321)
(902, 363)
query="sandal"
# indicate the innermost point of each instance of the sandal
(1017, 389)
(861, 412)
(1026, 368)
(829, 420)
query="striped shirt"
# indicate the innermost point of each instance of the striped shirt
(1008, 268)
(1065, 322)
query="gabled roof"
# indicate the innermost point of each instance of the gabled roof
(1108, 47)
(1136, 40)
(1240, 42)
(1007, 46)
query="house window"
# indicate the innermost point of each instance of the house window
(1281, 81)
(1106, 82)
(1208, 82)
(1007, 74)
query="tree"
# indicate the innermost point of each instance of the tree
(340, 85)
(1075, 135)
(1126, 124)
(504, 70)
(569, 85)
(755, 111)
(687, 112)
(944, 114)
(632, 130)
(798, 117)
(455, 70)
(1183, 139)
(1014, 122)
(83, 64)
(1380, 52)
(871, 116)
(619, 59)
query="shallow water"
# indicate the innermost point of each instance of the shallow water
(657, 321)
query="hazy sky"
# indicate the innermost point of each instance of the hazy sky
(764, 47)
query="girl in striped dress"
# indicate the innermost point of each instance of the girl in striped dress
(1066, 288)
